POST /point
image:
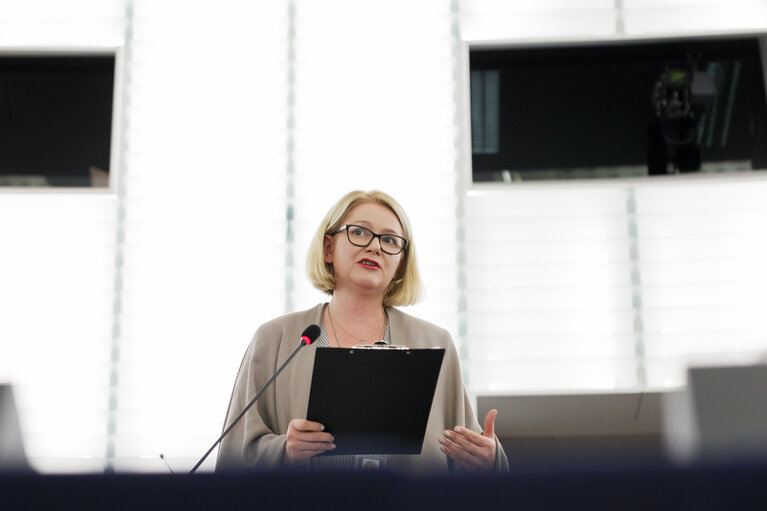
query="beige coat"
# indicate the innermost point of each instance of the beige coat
(258, 441)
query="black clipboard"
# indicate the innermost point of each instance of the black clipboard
(374, 401)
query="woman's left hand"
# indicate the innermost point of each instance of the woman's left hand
(471, 450)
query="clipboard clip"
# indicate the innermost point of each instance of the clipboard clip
(381, 345)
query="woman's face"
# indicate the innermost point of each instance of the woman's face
(364, 269)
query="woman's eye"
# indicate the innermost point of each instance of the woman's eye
(388, 240)
(356, 231)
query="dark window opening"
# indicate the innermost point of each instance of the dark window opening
(55, 120)
(620, 109)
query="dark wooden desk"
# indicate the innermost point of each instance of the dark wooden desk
(645, 487)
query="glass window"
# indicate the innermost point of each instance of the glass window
(618, 109)
(56, 120)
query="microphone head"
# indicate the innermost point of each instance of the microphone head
(311, 333)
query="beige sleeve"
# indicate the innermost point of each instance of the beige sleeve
(254, 441)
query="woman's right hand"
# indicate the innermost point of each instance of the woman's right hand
(306, 439)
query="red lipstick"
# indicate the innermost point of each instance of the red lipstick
(369, 263)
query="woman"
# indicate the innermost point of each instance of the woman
(363, 256)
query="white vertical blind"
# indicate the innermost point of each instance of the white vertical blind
(702, 246)
(204, 221)
(52, 24)
(499, 20)
(668, 17)
(56, 269)
(576, 288)
(562, 20)
(549, 289)
(375, 109)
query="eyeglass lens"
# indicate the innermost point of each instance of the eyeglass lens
(362, 237)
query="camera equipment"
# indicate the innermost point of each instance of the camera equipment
(680, 98)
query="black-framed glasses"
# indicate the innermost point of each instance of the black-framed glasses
(362, 236)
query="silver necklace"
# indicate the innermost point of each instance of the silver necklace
(363, 339)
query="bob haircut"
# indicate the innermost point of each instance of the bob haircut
(405, 288)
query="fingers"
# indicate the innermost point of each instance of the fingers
(489, 430)
(466, 437)
(301, 436)
(454, 446)
(302, 431)
(309, 449)
(469, 449)
(308, 431)
(304, 425)
(306, 439)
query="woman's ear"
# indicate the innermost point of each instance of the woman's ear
(327, 249)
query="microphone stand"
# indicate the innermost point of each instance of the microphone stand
(303, 343)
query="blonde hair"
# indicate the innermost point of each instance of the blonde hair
(405, 288)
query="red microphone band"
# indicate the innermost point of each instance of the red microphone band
(306, 339)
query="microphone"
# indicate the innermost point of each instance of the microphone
(162, 457)
(311, 333)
